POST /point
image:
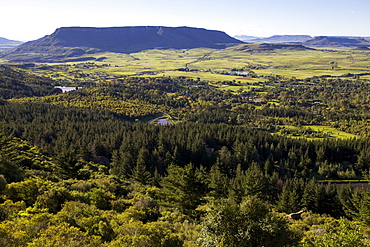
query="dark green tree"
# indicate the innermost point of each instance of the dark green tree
(67, 163)
(140, 174)
(248, 183)
(356, 203)
(218, 182)
(184, 188)
(290, 198)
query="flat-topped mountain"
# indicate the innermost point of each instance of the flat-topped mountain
(329, 41)
(76, 41)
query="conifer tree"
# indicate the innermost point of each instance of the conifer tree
(291, 196)
(140, 174)
(218, 182)
(183, 188)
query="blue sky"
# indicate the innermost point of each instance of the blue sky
(33, 19)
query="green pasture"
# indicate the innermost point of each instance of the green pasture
(287, 63)
(332, 132)
(301, 64)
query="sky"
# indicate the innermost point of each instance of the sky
(26, 20)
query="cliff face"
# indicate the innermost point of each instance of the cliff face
(123, 40)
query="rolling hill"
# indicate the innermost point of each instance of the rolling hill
(69, 42)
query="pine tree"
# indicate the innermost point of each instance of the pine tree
(314, 196)
(122, 162)
(356, 203)
(218, 182)
(237, 185)
(183, 188)
(256, 183)
(141, 175)
(290, 196)
(67, 163)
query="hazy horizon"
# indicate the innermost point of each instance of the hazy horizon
(24, 20)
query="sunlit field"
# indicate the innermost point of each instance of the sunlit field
(213, 65)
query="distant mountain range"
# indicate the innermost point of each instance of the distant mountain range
(320, 41)
(69, 42)
(246, 37)
(6, 43)
(329, 41)
(80, 43)
(279, 39)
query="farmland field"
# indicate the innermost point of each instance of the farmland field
(211, 64)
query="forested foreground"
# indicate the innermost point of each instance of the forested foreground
(100, 181)
(77, 170)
